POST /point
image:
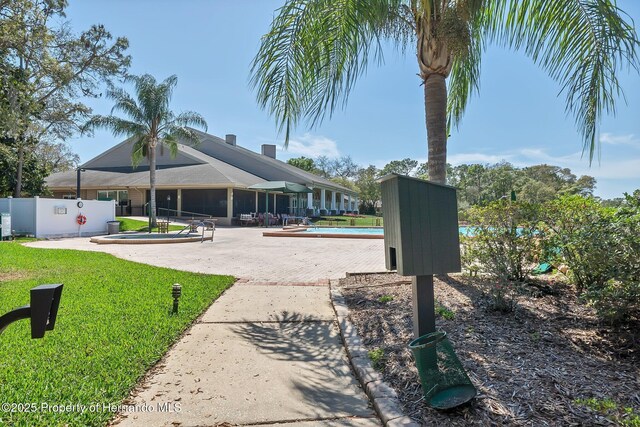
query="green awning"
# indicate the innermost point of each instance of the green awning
(281, 186)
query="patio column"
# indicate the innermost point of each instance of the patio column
(333, 200)
(341, 201)
(229, 204)
(179, 202)
(356, 208)
(310, 201)
(350, 205)
(323, 198)
(256, 203)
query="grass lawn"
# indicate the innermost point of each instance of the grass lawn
(128, 224)
(345, 221)
(113, 325)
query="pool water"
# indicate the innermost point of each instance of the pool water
(467, 231)
(346, 230)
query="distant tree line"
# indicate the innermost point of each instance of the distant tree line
(478, 184)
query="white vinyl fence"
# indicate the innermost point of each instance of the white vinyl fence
(45, 218)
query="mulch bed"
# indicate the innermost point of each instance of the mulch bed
(529, 366)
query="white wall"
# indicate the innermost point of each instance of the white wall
(23, 214)
(38, 217)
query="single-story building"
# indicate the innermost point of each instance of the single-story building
(209, 178)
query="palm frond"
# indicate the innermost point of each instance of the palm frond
(582, 44)
(124, 103)
(464, 79)
(139, 150)
(313, 55)
(119, 127)
(183, 134)
(190, 118)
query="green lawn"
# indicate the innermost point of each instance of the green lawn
(128, 224)
(345, 221)
(112, 326)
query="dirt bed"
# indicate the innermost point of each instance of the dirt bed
(531, 367)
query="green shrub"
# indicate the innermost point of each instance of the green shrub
(504, 241)
(617, 414)
(618, 300)
(601, 247)
(377, 358)
(385, 299)
(577, 234)
(444, 312)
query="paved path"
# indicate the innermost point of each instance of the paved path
(244, 252)
(267, 352)
(261, 355)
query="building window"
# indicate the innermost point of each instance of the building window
(117, 195)
(205, 202)
(244, 202)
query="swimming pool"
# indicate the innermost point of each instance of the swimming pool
(344, 232)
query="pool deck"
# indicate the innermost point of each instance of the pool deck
(311, 232)
(243, 252)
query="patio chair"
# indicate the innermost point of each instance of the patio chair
(246, 219)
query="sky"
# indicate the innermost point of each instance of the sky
(519, 115)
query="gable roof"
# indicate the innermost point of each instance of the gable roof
(264, 166)
(211, 162)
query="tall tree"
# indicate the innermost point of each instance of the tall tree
(344, 168)
(56, 157)
(402, 167)
(46, 69)
(150, 123)
(368, 188)
(316, 50)
(304, 163)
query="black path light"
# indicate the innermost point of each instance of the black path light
(176, 292)
(43, 310)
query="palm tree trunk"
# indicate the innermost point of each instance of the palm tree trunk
(152, 185)
(435, 106)
(18, 190)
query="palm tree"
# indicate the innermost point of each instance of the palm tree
(316, 50)
(150, 124)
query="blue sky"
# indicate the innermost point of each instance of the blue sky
(209, 45)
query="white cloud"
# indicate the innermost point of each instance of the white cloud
(613, 139)
(610, 166)
(462, 158)
(312, 146)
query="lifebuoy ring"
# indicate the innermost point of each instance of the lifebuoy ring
(81, 219)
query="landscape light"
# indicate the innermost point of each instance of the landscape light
(176, 292)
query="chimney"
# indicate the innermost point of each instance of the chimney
(269, 150)
(230, 139)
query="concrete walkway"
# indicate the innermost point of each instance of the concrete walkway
(267, 352)
(263, 354)
(243, 252)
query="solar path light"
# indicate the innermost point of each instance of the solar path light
(43, 310)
